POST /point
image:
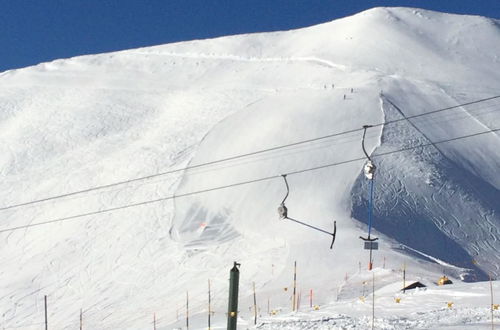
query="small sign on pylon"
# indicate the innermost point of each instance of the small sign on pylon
(369, 245)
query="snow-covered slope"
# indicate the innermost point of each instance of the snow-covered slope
(88, 121)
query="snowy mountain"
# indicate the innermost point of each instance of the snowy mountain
(92, 121)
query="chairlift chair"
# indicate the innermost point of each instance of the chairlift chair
(283, 213)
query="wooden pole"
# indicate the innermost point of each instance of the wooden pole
(268, 306)
(187, 309)
(294, 300)
(370, 264)
(373, 302)
(81, 319)
(154, 321)
(209, 306)
(46, 320)
(404, 278)
(254, 305)
(491, 307)
(311, 298)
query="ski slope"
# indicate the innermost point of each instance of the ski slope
(89, 121)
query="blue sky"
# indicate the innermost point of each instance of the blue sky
(34, 31)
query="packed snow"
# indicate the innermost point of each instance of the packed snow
(91, 121)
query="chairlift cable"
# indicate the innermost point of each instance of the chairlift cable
(147, 177)
(192, 193)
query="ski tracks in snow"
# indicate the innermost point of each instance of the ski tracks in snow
(214, 56)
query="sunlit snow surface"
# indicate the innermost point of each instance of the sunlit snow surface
(88, 121)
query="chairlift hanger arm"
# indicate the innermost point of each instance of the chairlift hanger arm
(282, 209)
(334, 234)
(369, 168)
(283, 212)
(365, 127)
(318, 229)
(287, 189)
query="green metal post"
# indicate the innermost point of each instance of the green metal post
(232, 314)
(46, 319)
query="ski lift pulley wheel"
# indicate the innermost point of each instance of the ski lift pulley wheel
(283, 211)
(369, 170)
